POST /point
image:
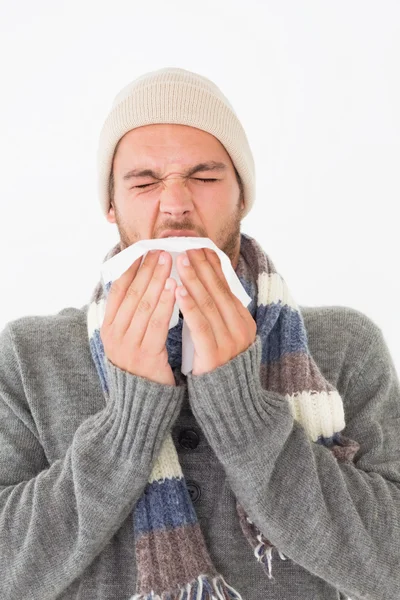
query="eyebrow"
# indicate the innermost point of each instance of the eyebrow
(206, 166)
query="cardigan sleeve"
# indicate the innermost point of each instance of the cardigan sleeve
(55, 520)
(340, 521)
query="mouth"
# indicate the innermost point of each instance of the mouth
(178, 233)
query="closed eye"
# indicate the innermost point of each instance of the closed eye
(147, 184)
(198, 179)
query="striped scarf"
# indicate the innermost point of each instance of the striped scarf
(164, 516)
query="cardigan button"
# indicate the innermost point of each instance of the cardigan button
(194, 490)
(189, 439)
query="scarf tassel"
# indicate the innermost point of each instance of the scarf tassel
(200, 589)
(263, 554)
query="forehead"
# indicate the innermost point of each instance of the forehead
(175, 140)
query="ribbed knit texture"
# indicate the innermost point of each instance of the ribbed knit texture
(171, 554)
(174, 95)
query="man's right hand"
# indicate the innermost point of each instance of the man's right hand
(136, 320)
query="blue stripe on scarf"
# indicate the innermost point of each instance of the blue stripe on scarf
(164, 504)
(286, 333)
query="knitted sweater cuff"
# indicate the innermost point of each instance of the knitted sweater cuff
(141, 412)
(235, 412)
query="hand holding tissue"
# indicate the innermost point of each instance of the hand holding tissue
(194, 339)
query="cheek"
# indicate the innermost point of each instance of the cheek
(147, 215)
(144, 209)
(140, 217)
(216, 205)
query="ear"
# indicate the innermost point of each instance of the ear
(111, 214)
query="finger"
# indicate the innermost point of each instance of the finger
(128, 292)
(216, 264)
(156, 333)
(205, 302)
(205, 286)
(140, 320)
(200, 328)
(117, 291)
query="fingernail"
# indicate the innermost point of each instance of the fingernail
(161, 259)
(185, 260)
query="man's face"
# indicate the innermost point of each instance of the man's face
(174, 199)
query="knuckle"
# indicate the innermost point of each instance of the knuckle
(156, 323)
(208, 303)
(221, 287)
(144, 306)
(132, 292)
(204, 326)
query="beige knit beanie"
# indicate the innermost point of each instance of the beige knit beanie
(174, 95)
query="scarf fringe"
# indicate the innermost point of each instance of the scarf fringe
(216, 589)
(263, 554)
(263, 550)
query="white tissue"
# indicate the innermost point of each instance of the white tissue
(113, 268)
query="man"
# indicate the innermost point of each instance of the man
(91, 502)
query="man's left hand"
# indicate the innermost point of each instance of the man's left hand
(220, 326)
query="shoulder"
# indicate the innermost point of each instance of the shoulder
(352, 352)
(39, 334)
(340, 339)
(340, 324)
(66, 317)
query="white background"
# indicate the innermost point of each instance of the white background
(316, 86)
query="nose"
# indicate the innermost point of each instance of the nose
(175, 197)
